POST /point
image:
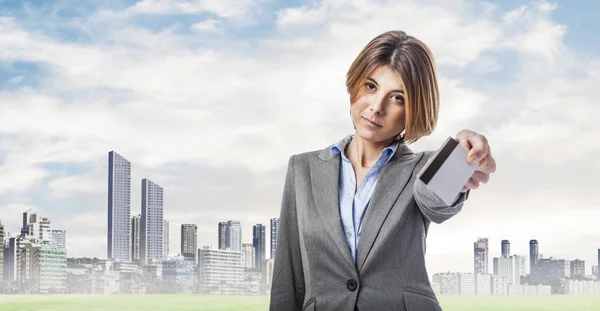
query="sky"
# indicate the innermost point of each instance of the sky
(209, 99)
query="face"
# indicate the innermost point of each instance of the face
(380, 100)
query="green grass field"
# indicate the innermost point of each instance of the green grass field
(252, 303)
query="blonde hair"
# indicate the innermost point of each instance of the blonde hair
(413, 61)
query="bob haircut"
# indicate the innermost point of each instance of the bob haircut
(413, 61)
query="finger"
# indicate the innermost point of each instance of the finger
(488, 164)
(479, 176)
(464, 141)
(472, 184)
(479, 148)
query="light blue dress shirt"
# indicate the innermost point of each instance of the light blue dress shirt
(353, 205)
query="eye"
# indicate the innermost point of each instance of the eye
(399, 99)
(370, 86)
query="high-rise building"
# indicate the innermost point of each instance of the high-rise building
(520, 263)
(234, 235)
(505, 248)
(189, 242)
(1, 249)
(274, 226)
(12, 259)
(135, 237)
(552, 269)
(534, 252)
(481, 250)
(166, 239)
(505, 267)
(598, 261)
(59, 238)
(258, 241)
(577, 269)
(223, 240)
(36, 228)
(119, 207)
(219, 271)
(152, 223)
(45, 266)
(248, 256)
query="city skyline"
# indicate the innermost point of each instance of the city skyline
(211, 102)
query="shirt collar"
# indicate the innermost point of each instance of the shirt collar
(341, 145)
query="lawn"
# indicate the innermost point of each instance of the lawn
(251, 303)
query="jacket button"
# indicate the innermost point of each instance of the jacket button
(351, 284)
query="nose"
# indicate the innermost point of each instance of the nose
(377, 104)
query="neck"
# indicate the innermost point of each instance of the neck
(364, 152)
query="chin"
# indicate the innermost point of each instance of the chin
(372, 136)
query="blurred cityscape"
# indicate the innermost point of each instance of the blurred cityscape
(34, 261)
(513, 274)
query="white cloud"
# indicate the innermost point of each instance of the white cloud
(77, 185)
(225, 9)
(206, 25)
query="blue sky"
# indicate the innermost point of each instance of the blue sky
(209, 100)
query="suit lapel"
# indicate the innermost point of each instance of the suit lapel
(391, 182)
(324, 174)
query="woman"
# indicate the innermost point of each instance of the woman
(354, 217)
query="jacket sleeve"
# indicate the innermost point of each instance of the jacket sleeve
(432, 207)
(287, 289)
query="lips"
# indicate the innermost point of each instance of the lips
(372, 122)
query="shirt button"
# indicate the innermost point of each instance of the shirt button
(351, 285)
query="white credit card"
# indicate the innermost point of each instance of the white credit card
(448, 171)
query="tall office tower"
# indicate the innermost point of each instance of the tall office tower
(36, 228)
(59, 238)
(223, 240)
(152, 223)
(166, 239)
(258, 241)
(119, 208)
(577, 269)
(189, 242)
(481, 249)
(598, 263)
(1, 250)
(135, 237)
(505, 248)
(534, 253)
(248, 256)
(12, 258)
(274, 226)
(234, 235)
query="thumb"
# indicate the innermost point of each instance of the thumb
(463, 141)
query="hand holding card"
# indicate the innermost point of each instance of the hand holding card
(448, 171)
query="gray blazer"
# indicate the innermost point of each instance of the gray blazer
(313, 267)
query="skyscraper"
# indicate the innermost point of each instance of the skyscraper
(135, 237)
(166, 239)
(577, 269)
(599, 263)
(248, 256)
(223, 238)
(505, 248)
(189, 241)
(234, 235)
(481, 256)
(274, 226)
(534, 253)
(152, 222)
(59, 238)
(258, 241)
(119, 207)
